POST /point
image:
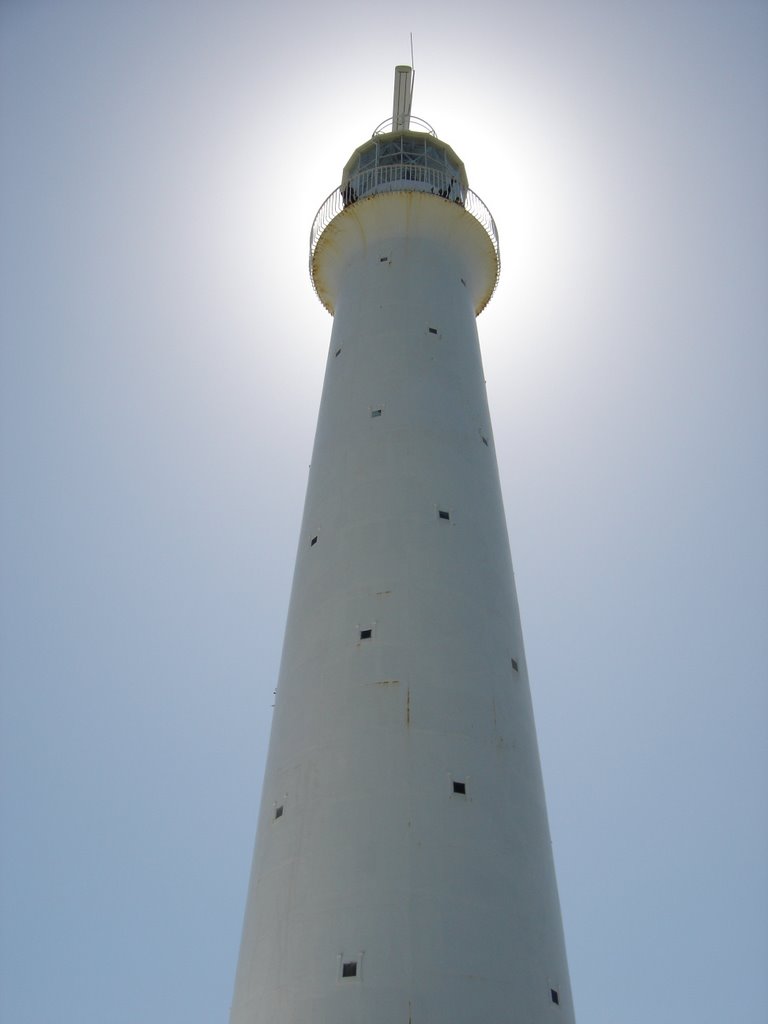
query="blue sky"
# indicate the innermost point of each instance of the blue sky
(160, 372)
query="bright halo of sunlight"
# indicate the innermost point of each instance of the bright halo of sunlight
(540, 211)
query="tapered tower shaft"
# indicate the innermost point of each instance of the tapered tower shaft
(403, 871)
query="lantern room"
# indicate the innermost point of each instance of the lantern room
(396, 161)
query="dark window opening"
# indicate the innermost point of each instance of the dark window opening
(337, 352)
(433, 330)
(349, 969)
(279, 811)
(555, 996)
(375, 413)
(515, 666)
(460, 787)
(313, 541)
(463, 281)
(383, 259)
(443, 514)
(366, 634)
(485, 440)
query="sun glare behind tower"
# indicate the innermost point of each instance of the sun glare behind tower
(403, 872)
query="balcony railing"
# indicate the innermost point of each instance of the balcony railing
(416, 124)
(402, 178)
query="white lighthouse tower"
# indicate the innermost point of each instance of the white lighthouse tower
(403, 871)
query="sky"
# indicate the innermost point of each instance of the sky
(161, 360)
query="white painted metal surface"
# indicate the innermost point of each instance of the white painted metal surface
(401, 103)
(402, 871)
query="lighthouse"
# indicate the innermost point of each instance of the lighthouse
(403, 871)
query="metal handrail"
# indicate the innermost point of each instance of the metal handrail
(388, 126)
(390, 178)
(329, 209)
(338, 200)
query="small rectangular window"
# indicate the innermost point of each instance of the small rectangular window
(375, 413)
(433, 330)
(515, 666)
(383, 259)
(366, 634)
(349, 969)
(555, 996)
(460, 787)
(485, 440)
(313, 541)
(443, 514)
(279, 812)
(337, 352)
